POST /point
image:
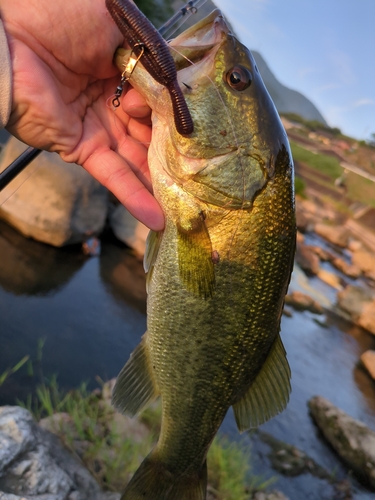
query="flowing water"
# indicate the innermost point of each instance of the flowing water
(90, 314)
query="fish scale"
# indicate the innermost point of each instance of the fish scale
(218, 273)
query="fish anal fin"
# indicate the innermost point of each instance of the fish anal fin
(195, 261)
(135, 386)
(269, 394)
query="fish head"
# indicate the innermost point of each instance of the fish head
(231, 154)
(237, 130)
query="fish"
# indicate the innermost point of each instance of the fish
(218, 272)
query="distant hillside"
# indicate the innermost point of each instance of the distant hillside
(286, 100)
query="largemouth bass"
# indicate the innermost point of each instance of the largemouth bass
(218, 273)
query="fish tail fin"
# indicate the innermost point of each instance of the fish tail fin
(153, 481)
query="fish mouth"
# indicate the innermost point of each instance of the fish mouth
(197, 41)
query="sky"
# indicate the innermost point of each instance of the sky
(325, 49)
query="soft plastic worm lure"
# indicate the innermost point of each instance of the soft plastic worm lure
(157, 60)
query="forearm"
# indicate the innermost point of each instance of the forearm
(5, 79)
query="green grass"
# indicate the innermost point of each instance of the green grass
(299, 186)
(324, 163)
(86, 425)
(9, 371)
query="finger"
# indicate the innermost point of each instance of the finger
(115, 173)
(135, 105)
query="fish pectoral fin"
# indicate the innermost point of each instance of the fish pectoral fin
(268, 394)
(151, 252)
(195, 262)
(135, 386)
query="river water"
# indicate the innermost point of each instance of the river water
(90, 314)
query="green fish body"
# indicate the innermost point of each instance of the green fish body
(218, 273)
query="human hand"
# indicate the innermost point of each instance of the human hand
(63, 77)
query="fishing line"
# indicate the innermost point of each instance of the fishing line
(20, 184)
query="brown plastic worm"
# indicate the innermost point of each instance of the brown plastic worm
(156, 59)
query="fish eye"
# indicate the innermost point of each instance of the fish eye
(239, 78)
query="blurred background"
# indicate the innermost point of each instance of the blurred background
(72, 286)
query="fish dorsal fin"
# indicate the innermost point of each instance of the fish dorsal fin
(135, 386)
(268, 394)
(151, 252)
(195, 262)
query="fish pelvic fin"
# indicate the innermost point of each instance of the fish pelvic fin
(153, 481)
(269, 394)
(135, 386)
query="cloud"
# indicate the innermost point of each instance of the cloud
(363, 102)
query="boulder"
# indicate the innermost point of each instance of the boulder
(352, 299)
(299, 237)
(364, 260)
(307, 260)
(128, 229)
(52, 201)
(368, 361)
(320, 252)
(351, 439)
(35, 465)
(302, 302)
(350, 270)
(367, 318)
(338, 235)
(271, 495)
(359, 303)
(330, 278)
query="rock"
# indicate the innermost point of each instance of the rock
(355, 245)
(58, 204)
(351, 439)
(367, 318)
(307, 259)
(304, 221)
(338, 235)
(320, 252)
(364, 260)
(352, 299)
(330, 278)
(359, 302)
(303, 302)
(368, 361)
(350, 270)
(272, 495)
(299, 237)
(128, 229)
(34, 464)
(59, 423)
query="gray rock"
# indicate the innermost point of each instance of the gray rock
(52, 201)
(271, 495)
(34, 464)
(351, 439)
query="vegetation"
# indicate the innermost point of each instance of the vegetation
(158, 11)
(112, 446)
(324, 163)
(313, 125)
(299, 186)
(9, 371)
